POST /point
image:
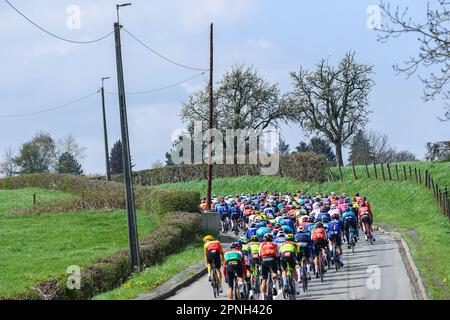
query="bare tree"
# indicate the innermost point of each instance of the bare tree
(242, 100)
(8, 166)
(434, 45)
(384, 152)
(332, 101)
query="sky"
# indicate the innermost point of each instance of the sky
(276, 37)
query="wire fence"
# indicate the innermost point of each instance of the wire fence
(399, 172)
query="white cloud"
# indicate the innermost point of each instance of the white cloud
(263, 44)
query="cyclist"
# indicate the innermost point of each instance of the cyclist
(235, 214)
(234, 266)
(350, 221)
(335, 235)
(263, 230)
(255, 260)
(303, 239)
(268, 252)
(252, 231)
(223, 211)
(319, 238)
(288, 252)
(213, 253)
(366, 218)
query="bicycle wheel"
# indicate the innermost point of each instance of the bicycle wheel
(321, 267)
(291, 288)
(336, 257)
(305, 279)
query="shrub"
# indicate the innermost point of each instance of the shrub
(108, 273)
(304, 167)
(163, 201)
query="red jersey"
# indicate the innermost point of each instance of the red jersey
(268, 250)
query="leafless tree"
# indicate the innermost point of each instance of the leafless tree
(8, 167)
(332, 101)
(433, 36)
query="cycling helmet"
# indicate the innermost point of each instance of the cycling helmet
(243, 240)
(268, 237)
(300, 229)
(236, 245)
(311, 219)
(319, 224)
(281, 234)
(263, 224)
(254, 238)
(208, 238)
(253, 225)
(290, 237)
(335, 216)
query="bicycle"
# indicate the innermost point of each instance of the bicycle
(289, 291)
(336, 256)
(226, 225)
(304, 274)
(352, 239)
(214, 280)
(237, 292)
(269, 284)
(256, 281)
(235, 229)
(321, 265)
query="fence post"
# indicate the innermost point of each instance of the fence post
(396, 172)
(375, 170)
(433, 187)
(354, 170)
(446, 200)
(340, 173)
(331, 174)
(388, 165)
(426, 178)
(404, 172)
(34, 200)
(410, 173)
(382, 171)
(420, 177)
(367, 169)
(415, 173)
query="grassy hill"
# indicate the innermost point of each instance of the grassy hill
(33, 247)
(404, 206)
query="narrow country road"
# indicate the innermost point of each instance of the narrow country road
(373, 272)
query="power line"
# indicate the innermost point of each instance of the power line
(54, 35)
(161, 55)
(21, 115)
(162, 88)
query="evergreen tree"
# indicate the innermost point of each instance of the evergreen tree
(284, 148)
(67, 163)
(319, 146)
(361, 151)
(115, 158)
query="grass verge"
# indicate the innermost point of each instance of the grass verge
(154, 276)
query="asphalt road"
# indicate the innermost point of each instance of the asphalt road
(374, 272)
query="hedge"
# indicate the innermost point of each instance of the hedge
(109, 273)
(304, 167)
(94, 194)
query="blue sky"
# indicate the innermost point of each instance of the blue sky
(277, 37)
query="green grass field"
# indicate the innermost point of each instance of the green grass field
(33, 247)
(406, 206)
(156, 275)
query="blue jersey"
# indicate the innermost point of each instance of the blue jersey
(287, 222)
(280, 240)
(348, 215)
(303, 237)
(262, 231)
(250, 232)
(287, 229)
(324, 217)
(269, 210)
(222, 210)
(334, 227)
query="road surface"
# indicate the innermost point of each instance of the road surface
(374, 272)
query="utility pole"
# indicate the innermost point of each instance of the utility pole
(105, 131)
(211, 106)
(132, 229)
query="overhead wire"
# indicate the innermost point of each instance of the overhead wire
(53, 34)
(160, 54)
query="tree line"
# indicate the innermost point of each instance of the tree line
(42, 154)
